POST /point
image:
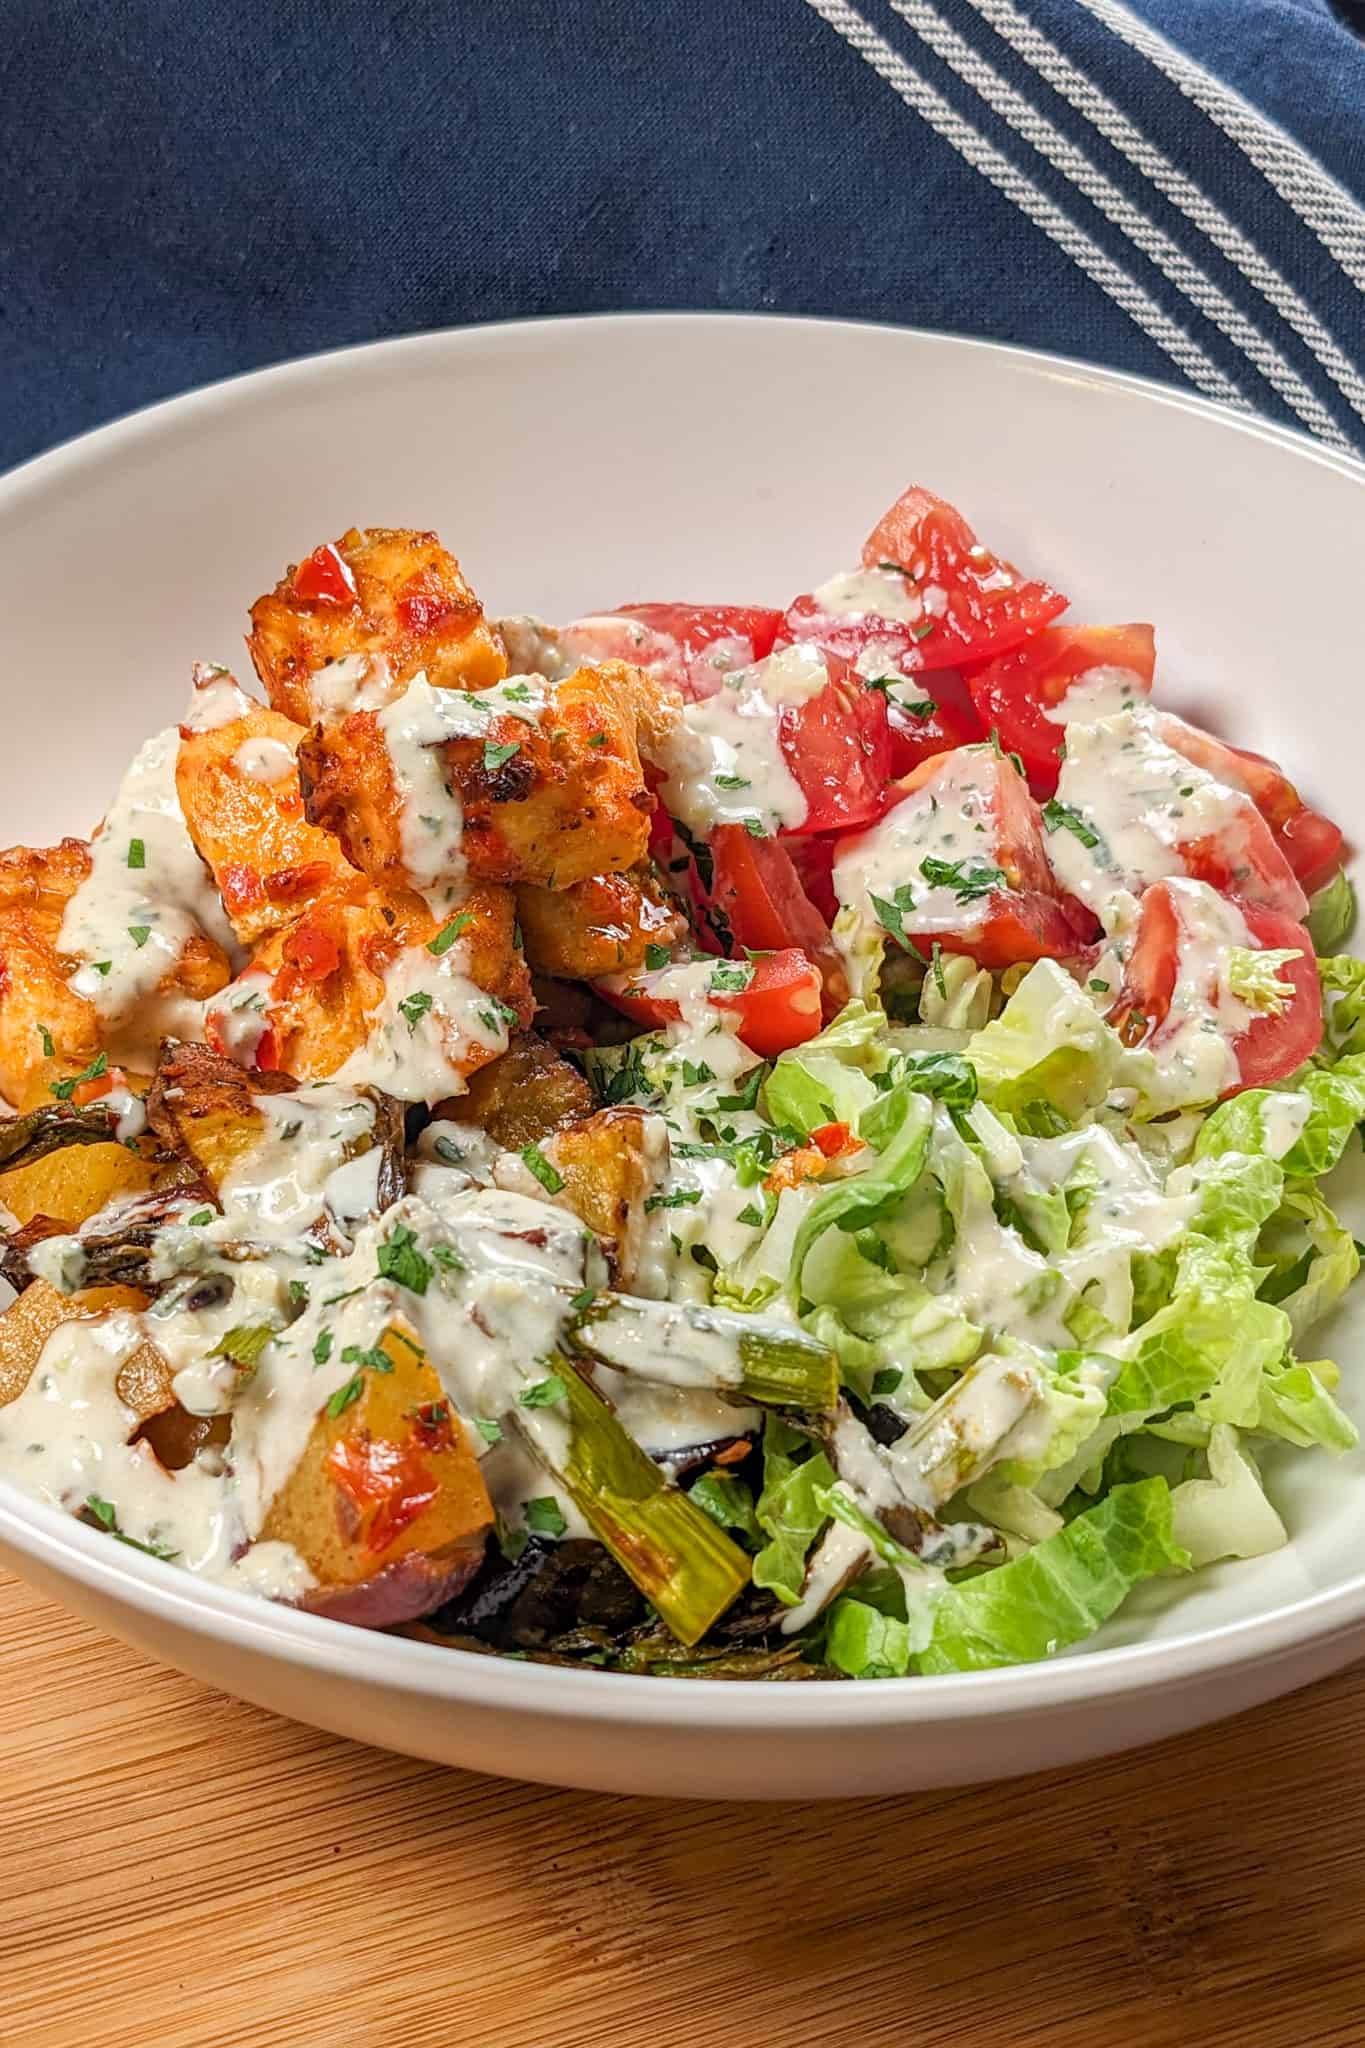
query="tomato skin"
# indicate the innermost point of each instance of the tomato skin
(780, 1007)
(953, 722)
(813, 859)
(1311, 844)
(1273, 1045)
(838, 746)
(758, 890)
(678, 643)
(988, 606)
(848, 637)
(325, 578)
(1014, 692)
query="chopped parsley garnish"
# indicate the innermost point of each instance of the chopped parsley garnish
(696, 1073)
(322, 1350)
(448, 1259)
(200, 1216)
(546, 1393)
(490, 1431)
(447, 1149)
(349, 1295)
(400, 1261)
(516, 693)
(751, 1215)
(922, 630)
(891, 913)
(495, 757)
(415, 1007)
(448, 934)
(755, 828)
(748, 1094)
(298, 1294)
(498, 1015)
(345, 1396)
(101, 1514)
(657, 957)
(139, 933)
(681, 1198)
(549, 1176)
(64, 1090)
(581, 1303)
(244, 1344)
(103, 966)
(731, 781)
(731, 977)
(969, 885)
(886, 1381)
(137, 853)
(49, 1049)
(545, 1516)
(373, 1359)
(597, 739)
(1059, 817)
(703, 1256)
(1100, 988)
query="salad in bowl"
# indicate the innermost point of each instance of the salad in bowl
(706, 1139)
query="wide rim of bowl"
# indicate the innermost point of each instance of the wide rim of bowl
(56, 1540)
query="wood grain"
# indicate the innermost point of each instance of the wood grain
(181, 1871)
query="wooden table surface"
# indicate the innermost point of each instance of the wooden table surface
(182, 1871)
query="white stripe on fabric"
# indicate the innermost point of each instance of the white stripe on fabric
(1066, 78)
(1166, 254)
(1320, 202)
(1124, 290)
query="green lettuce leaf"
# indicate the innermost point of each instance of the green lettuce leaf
(1332, 912)
(897, 1126)
(1307, 1138)
(866, 1642)
(1295, 1406)
(827, 1080)
(1343, 985)
(1315, 1258)
(1062, 1590)
(1212, 1334)
(795, 1473)
(1049, 1043)
(1226, 1514)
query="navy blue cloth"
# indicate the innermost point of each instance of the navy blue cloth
(1173, 187)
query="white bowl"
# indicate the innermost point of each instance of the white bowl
(579, 463)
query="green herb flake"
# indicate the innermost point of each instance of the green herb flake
(64, 1090)
(447, 936)
(401, 1261)
(544, 1516)
(730, 977)
(346, 1396)
(1099, 988)
(373, 1359)
(681, 1198)
(549, 1176)
(137, 853)
(414, 1007)
(581, 1303)
(1060, 817)
(657, 957)
(546, 1393)
(322, 1350)
(731, 781)
(200, 1217)
(139, 934)
(969, 885)
(244, 1344)
(495, 757)
(490, 1431)
(49, 1049)
(750, 1215)
(886, 1381)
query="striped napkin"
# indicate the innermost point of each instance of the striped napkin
(1172, 186)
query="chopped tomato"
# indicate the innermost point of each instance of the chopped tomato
(1014, 693)
(312, 950)
(930, 719)
(979, 605)
(813, 860)
(691, 646)
(1310, 843)
(387, 1485)
(959, 863)
(838, 746)
(240, 887)
(778, 1007)
(325, 578)
(1274, 1044)
(756, 898)
(891, 643)
(834, 1140)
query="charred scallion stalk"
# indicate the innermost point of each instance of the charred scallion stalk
(686, 1344)
(51, 1129)
(683, 1564)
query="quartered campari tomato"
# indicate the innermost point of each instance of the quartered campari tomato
(1310, 843)
(1063, 674)
(776, 996)
(757, 899)
(1229, 991)
(692, 647)
(929, 715)
(960, 863)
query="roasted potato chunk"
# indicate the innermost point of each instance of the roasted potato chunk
(387, 1506)
(550, 800)
(602, 926)
(522, 1096)
(203, 1107)
(29, 1321)
(238, 786)
(317, 991)
(47, 1031)
(610, 1163)
(388, 593)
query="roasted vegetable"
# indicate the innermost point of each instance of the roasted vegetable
(28, 1322)
(316, 991)
(525, 1602)
(391, 594)
(609, 1164)
(238, 786)
(682, 1563)
(687, 1344)
(523, 1096)
(65, 1162)
(386, 1506)
(550, 798)
(604, 925)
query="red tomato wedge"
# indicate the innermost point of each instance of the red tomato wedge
(837, 744)
(779, 1007)
(979, 604)
(693, 647)
(930, 718)
(1166, 958)
(325, 578)
(813, 860)
(1311, 843)
(1014, 693)
(960, 863)
(757, 895)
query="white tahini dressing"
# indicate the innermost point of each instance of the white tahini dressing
(261, 759)
(1100, 692)
(725, 763)
(147, 894)
(432, 1026)
(949, 820)
(871, 593)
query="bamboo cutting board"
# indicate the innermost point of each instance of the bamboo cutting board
(181, 1871)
